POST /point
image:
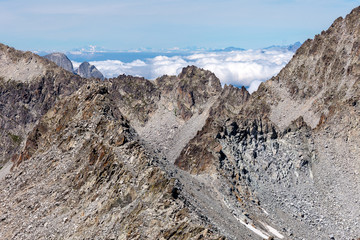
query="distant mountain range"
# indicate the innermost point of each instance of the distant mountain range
(93, 53)
(292, 47)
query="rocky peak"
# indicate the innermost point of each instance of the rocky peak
(192, 76)
(137, 97)
(61, 60)
(195, 87)
(323, 72)
(86, 70)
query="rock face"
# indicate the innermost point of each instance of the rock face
(291, 149)
(29, 87)
(181, 157)
(61, 60)
(86, 70)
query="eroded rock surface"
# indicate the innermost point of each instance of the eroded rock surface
(181, 157)
(285, 148)
(75, 178)
(29, 87)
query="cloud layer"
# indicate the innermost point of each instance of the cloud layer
(240, 68)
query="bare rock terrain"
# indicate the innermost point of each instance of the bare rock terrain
(182, 157)
(287, 149)
(29, 86)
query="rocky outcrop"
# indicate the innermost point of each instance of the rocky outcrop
(86, 70)
(198, 157)
(29, 87)
(61, 60)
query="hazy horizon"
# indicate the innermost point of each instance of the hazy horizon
(41, 25)
(239, 67)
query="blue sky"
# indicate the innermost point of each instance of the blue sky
(132, 24)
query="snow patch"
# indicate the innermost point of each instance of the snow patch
(252, 228)
(273, 230)
(265, 211)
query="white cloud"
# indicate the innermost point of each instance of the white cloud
(240, 68)
(76, 64)
(254, 86)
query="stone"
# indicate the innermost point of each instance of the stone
(86, 70)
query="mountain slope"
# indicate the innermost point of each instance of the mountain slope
(99, 186)
(29, 87)
(292, 148)
(183, 158)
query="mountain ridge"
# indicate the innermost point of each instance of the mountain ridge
(284, 109)
(28, 93)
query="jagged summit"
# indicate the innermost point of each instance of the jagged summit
(87, 70)
(181, 157)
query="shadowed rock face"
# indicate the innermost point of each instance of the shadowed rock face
(61, 60)
(181, 157)
(86, 70)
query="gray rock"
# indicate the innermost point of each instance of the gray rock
(40, 82)
(86, 70)
(61, 60)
